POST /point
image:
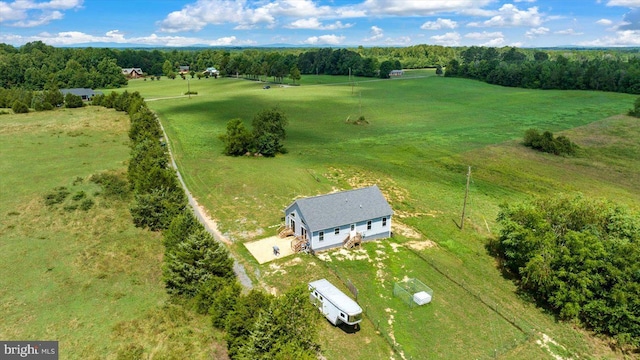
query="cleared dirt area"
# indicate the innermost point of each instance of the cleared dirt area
(262, 250)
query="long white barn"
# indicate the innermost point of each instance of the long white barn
(330, 220)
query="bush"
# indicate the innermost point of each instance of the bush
(113, 186)
(636, 109)
(546, 142)
(194, 263)
(19, 107)
(72, 101)
(155, 210)
(57, 196)
(86, 204)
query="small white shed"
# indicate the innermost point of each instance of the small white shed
(335, 305)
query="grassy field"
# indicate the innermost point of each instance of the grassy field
(86, 278)
(422, 134)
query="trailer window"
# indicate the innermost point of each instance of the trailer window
(354, 318)
(342, 316)
(336, 231)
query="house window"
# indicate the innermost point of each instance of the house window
(384, 221)
(353, 227)
(321, 236)
(342, 315)
(336, 231)
(369, 225)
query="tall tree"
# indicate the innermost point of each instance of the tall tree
(269, 131)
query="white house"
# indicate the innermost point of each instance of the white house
(330, 220)
(211, 71)
(335, 305)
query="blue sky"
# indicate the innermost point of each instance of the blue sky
(335, 23)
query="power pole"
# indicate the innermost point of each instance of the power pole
(466, 193)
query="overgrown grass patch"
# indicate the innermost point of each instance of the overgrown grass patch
(80, 275)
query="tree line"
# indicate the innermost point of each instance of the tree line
(579, 258)
(197, 269)
(516, 68)
(36, 66)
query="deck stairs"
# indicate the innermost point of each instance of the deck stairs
(352, 241)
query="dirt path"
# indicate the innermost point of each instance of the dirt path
(206, 221)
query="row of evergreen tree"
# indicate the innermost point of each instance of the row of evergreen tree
(514, 68)
(197, 269)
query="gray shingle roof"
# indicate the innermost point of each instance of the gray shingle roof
(80, 92)
(342, 208)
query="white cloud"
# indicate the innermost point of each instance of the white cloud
(254, 14)
(568, 32)
(535, 32)
(605, 22)
(325, 40)
(439, 24)
(510, 15)
(43, 19)
(315, 24)
(27, 13)
(448, 39)
(622, 38)
(67, 38)
(628, 3)
(375, 33)
(484, 35)
(493, 38)
(421, 7)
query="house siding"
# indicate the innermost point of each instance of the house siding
(332, 240)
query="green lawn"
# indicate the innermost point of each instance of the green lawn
(86, 278)
(422, 134)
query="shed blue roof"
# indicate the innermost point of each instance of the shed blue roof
(341, 208)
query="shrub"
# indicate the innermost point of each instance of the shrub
(113, 186)
(546, 142)
(155, 210)
(86, 204)
(79, 196)
(636, 108)
(72, 101)
(195, 263)
(19, 107)
(56, 197)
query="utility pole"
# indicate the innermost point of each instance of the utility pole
(466, 193)
(188, 88)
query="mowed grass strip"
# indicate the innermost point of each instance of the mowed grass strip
(84, 276)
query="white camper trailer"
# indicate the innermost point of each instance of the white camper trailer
(335, 305)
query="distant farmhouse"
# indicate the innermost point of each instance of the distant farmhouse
(184, 70)
(332, 220)
(84, 93)
(211, 71)
(132, 73)
(396, 73)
